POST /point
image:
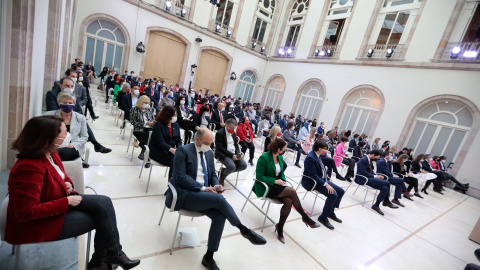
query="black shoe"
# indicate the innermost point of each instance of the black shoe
(341, 178)
(103, 150)
(103, 266)
(254, 238)
(418, 195)
(326, 223)
(123, 261)
(377, 209)
(335, 218)
(212, 265)
(250, 162)
(95, 117)
(147, 165)
(424, 191)
(141, 156)
(477, 253)
(457, 186)
(298, 165)
(391, 205)
(348, 178)
(304, 153)
(438, 191)
(85, 165)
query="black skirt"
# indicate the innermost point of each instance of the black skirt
(275, 191)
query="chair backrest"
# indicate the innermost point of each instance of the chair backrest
(174, 197)
(74, 170)
(3, 217)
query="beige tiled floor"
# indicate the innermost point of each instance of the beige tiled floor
(429, 233)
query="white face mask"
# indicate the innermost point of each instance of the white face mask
(74, 79)
(66, 141)
(136, 92)
(182, 102)
(174, 119)
(206, 114)
(80, 79)
(145, 106)
(204, 148)
(68, 90)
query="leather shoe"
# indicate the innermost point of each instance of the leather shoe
(438, 191)
(341, 178)
(141, 156)
(212, 265)
(100, 267)
(348, 179)
(103, 150)
(477, 253)
(254, 238)
(335, 218)
(85, 165)
(408, 197)
(123, 261)
(326, 223)
(298, 165)
(377, 209)
(391, 205)
(418, 195)
(95, 117)
(147, 165)
(397, 202)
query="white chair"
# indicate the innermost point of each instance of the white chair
(181, 212)
(367, 188)
(87, 153)
(152, 162)
(313, 191)
(223, 166)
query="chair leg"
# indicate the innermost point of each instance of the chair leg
(305, 195)
(13, 249)
(175, 234)
(356, 190)
(133, 149)
(166, 170)
(161, 217)
(237, 179)
(266, 213)
(141, 169)
(247, 199)
(17, 258)
(348, 187)
(365, 198)
(313, 206)
(264, 204)
(150, 174)
(129, 141)
(89, 238)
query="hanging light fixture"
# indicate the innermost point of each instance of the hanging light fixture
(217, 28)
(140, 47)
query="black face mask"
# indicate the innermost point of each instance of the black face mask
(282, 153)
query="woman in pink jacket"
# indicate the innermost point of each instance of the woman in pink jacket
(341, 157)
(309, 141)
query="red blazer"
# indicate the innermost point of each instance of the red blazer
(242, 131)
(38, 201)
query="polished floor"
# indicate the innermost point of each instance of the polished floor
(429, 233)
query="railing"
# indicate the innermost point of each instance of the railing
(257, 46)
(220, 29)
(465, 52)
(383, 52)
(326, 51)
(287, 52)
(175, 8)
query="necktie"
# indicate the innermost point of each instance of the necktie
(152, 92)
(221, 117)
(323, 167)
(370, 163)
(205, 173)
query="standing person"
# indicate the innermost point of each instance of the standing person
(90, 72)
(292, 142)
(399, 170)
(245, 133)
(142, 118)
(45, 207)
(252, 115)
(270, 170)
(154, 96)
(197, 187)
(283, 122)
(184, 119)
(341, 157)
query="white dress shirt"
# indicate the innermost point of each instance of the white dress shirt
(230, 143)
(200, 175)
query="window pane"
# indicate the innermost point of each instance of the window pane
(220, 11)
(118, 57)
(228, 13)
(386, 28)
(295, 37)
(441, 141)
(353, 119)
(368, 126)
(109, 25)
(465, 118)
(120, 38)
(109, 55)
(262, 31)
(256, 29)
(416, 133)
(454, 145)
(290, 35)
(402, 2)
(361, 122)
(426, 139)
(90, 49)
(331, 30)
(428, 111)
(99, 55)
(93, 27)
(444, 117)
(346, 116)
(106, 34)
(399, 28)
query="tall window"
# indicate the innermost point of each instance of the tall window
(263, 20)
(105, 44)
(393, 27)
(274, 93)
(311, 100)
(360, 111)
(440, 128)
(246, 85)
(296, 19)
(224, 12)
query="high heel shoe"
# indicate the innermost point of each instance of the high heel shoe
(313, 226)
(123, 261)
(280, 238)
(425, 191)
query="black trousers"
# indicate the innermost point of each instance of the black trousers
(142, 137)
(91, 138)
(250, 146)
(89, 105)
(95, 212)
(351, 166)
(412, 183)
(68, 154)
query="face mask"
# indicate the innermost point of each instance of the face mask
(182, 102)
(174, 119)
(231, 131)
(204, 148)
(391, 158)
(223, 109)
(281, 153)
(66, 141)
(136, 92)
(206, 114)
(68, 90)
(80, 79)
(74, 79)
(279, 135)
(67, 108)
(145, 106)
(192, 95)
(231, 106)
(169, 96)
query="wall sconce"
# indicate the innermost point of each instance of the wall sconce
(233, 76)
(193, 68)
(140, 47)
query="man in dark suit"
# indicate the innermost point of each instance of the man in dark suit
(353, 143)
(385, 167)
(219, 117)
(79, 90)
(129, 101)
(154, 95)
(197, 187)
(227, 150)
(365, 168)
(316, 177)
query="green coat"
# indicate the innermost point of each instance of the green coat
(266, 173)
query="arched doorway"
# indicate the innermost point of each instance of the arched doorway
(246, 85)
(212, 70)
(309, 99)
(273, 94)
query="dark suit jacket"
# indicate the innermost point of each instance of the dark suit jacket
(51, 101)
(384, 167)
(357, 152)
(185, 174)
(426, 166)
(221, 145)
(127, 105)
(216, 118)
(415, 167)
(197, 119)
(79, 90)
(283, 124)
(365, 168)
(314, 170)
(161, 141)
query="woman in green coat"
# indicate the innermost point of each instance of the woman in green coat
(270, 168)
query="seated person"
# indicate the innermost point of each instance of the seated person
(142, 119)
(292, 142)
(270, 170)
(165, 138)
(353, 143)
(184, 118)
(309, 140)
(341, 157)
(438, 182)
(129, 101)
(385, 147)
(196, 183)
(400, 171)
(443, 168)
(384, 167)
(167, 100)
(274, 133)
(227, 150)
(203, 102)
(252, 115)
(304, 131)
(202, 118)
(245, 133)
(358, 151)
(365, 168)
(43, 205)
(219, 117)
(74, 146)
(422, 175)
(315, 170)
(264, 126)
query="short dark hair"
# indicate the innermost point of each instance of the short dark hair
(355, 136)
(203, 109)
(38, 136)
(290, 124)
(65, 78)
(386, 153)
(166, 114)
(442, 157)
(384, 145)
(70, 70)
(362, 144)
(344, 139)
(319, 144)
(275, 145)
(374, 152)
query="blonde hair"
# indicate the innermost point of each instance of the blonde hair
(142, 99)
(376, 140)
(62, 96)
(274, 131)
(312, 133)
(332, 134)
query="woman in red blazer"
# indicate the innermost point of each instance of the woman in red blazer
(43, 205)
(245, 133)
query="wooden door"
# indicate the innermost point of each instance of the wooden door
(211, 71)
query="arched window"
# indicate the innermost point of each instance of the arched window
(361, 110)
(311, 100)
(297, 16)
(274, 93)
(105, 44)
(246, 85)
(440, 128)
(263, 22)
